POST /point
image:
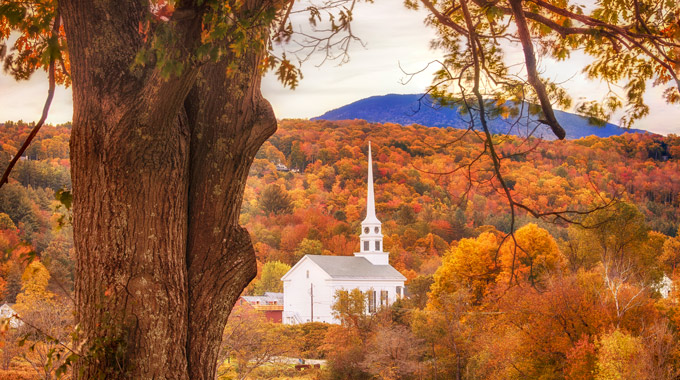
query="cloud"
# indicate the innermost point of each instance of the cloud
(25, 100)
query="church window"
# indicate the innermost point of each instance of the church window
(383, 297)
(366, 230)
(366, 248)
(377, 245)
(371, 301)
(377, 230)
(307, 274)
(399, 291)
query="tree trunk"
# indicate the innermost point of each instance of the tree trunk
(159, 167)
(230, 121)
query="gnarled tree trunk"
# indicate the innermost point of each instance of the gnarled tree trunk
(159, 167)
(230, 121)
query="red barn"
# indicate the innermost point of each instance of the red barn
(270, 304)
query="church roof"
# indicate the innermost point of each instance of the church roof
(352, 267)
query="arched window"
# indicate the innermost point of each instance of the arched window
(307, 274)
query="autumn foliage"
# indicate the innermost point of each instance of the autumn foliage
(552, 301)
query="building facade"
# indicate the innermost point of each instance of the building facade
(270, 305)
(310, 286)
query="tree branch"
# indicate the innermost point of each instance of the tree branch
(532, 73)
(46, 107)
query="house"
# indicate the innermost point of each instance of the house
(309, 287)
(270, 304)
(6, 312)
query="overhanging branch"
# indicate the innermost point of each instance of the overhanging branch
(46, 107)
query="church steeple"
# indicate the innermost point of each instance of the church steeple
(371, 229)
(370, 197)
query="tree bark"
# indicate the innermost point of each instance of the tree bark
(159, 167)
(230, 121)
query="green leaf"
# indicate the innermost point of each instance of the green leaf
(64, 197)
(13, 12)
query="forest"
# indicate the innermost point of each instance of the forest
(591, 299)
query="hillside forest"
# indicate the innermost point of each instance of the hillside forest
(592, 299)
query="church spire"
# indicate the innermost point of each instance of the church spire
(371, 230)
(370, 197)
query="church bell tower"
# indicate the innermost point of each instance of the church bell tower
(371, 229)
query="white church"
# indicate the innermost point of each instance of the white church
(309, 287)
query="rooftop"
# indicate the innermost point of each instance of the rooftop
(269, 298)
(352, 267)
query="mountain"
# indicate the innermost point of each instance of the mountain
(418, 109)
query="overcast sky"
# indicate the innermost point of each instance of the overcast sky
(392, 35)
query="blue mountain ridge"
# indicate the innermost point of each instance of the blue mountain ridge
(407, 109)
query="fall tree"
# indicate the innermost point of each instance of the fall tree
(46, 332)
(46, 322)
(345, 350)
(310, 336)
(275, 200)
(252, 341)
(393, 352)
(6, 222)
(10, 347)
(670, 256)
(470, 265)
(581, 360)
(270, 279)
(446, 331)
(345, 344)
(628, 255)
(418, 288)
(308, 247)
(530, 257)
(350, 308)
(33, 287)
(619, 357)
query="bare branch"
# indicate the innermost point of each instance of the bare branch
(46, 107)
(534, 80)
